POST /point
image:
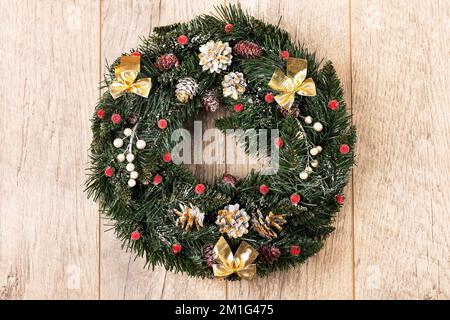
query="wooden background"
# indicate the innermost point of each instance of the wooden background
(392, 239)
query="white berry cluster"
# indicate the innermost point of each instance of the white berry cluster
(318, 127)
(127, 154)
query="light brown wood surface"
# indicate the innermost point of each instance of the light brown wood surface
(393, 234)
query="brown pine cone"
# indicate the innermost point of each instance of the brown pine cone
(247, 49)
(269, 253)
(167, 61)
(210, 101)
(132, 119)
(208, 255)
(292, 112)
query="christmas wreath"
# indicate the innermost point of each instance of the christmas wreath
(233, 229)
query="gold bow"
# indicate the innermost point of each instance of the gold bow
(126, 73)
(294, 82)
(240, 262)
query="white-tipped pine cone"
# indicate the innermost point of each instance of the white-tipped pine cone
(186, 89)
(234, 85)
(233, 221)
(215, 56)
(210, 101)
(189, 217)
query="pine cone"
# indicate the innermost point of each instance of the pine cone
(234, 85)
(215, 56)
(269, 253)
(208, 255)
(189, 217)
(210, 101)
(263, 225)
(233, 221)
(167, 61)
(186, 89)
(228, 179)
(247, 49)
(132, 119)
(292, 112)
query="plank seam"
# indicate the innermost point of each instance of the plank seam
(352, 173)
(99, 96)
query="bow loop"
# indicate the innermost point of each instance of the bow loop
(240, 262)
(126, 73)
(291, 83)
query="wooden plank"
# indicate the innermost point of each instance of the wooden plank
(400, 96)
(123, 22)
(121, 276)
(48, 229)
(323, 26)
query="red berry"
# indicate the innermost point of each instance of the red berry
(295, 250)
(340, 199)
(228, 27)
(167, 157)
(162, 124)
(279, 142)
(182, 39)
(295, 198)
(238, 107)
(176, 248)
(269, 98)
(109, 172)
(333, 104)
(157, 179)
(344, 148)
(116, 118)
(136, 54)
(200, 188)
(100, 113)
(229, 179)
(135, 235)
(284, 54)
(263, 189)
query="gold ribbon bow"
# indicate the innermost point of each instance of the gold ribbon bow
(294, 82)
(126, 73)
(240, 262)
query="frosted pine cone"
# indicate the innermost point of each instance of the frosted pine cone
(215, 56)
(269, 253)
(167, 61)
(233, 221)
(234, 85)
(189, 217)
(292, 112)
(247, 49)
(210, 101)
(263, 225)
(132, 119)
(208, 255)
(186, 89)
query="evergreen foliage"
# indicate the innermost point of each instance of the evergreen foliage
(149, 208)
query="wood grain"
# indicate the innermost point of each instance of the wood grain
(392, 239)
(329, 275)
(123, 22)
(48, 229)
(400, 97)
